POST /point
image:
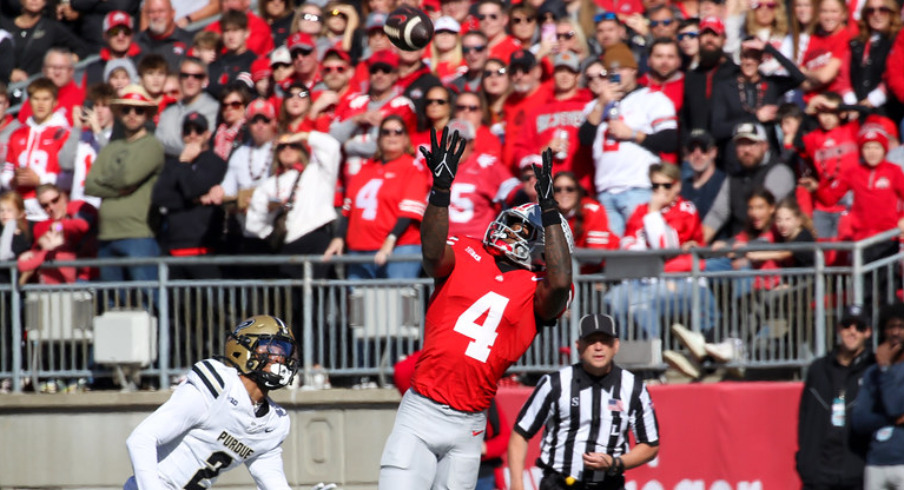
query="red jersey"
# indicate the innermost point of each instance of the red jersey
(621, 7)
(556, 118)
(830, 153)
(260, 38)
(504, 47)
(516, 108)
(673, 88)
(35, 146)
(671, 227)
(481, 184)
(823, 48)
(878, 193)
(593, 230)
(480, 321)
(378, 196)
(895, 78)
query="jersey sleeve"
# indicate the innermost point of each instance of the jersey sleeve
(661, 113)
(187, 408)
(643, 416)
(537, 409)
(414, 199)
(267, 470)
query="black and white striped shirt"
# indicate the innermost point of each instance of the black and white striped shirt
(582, 413)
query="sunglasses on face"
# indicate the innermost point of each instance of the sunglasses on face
(261, 119)
(565, 35)
(192, 130)
(334, 69)
(700, 148)
(523, 20)
(859, 326)
(301, 52)
(197, 76)
(300, 94)
(392, 132)
(281, 66)
(283, 146)
(139, 111)
(311, 17)
(565, 188)
(498, 72)
(874, 10)
(430, 102)
(487, 16)
(380, 69)
(476, 49)
(665, 185)
(688, 35)
(235, 104)
(664, 22)
(466, 108)
(548, 17)
(47, 204)
(115, 31)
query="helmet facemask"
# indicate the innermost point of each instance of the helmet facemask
(516, 234)
(263, 349)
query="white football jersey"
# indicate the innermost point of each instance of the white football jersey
(206, 428)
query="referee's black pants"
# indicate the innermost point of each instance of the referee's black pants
(555, 481)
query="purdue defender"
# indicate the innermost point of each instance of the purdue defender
(221, 415)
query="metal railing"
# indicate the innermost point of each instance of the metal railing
(784, 317)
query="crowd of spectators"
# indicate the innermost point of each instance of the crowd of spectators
(292, 128)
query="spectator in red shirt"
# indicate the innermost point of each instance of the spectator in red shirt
(334, 90)
(827, 60)
(492, 19)
(665, 73)
(586, 217)
(260, 39)
(496, 86)
(472, 107)
(384, 204)
(437, 105)
(59, 68)
(445, 52)
(527, 94)
(68, 233)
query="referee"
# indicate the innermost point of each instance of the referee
(587, 409)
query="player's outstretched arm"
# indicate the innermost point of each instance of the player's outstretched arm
(552, 293)
(442, 159)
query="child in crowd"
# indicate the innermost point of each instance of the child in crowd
(16, 235)
(791, 226)
(830, 149)
(206, 45)
(152, 72)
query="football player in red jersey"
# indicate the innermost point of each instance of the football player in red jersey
(490, 297)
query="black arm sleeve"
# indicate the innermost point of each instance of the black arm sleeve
(795, 76)
(341, 227)
(400, 226)
(587, 133)
(665, 141)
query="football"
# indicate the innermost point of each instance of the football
(408, 28)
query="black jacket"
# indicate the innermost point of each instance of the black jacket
(186, 222)
(173, 47)
(699, 84)
(830, 454)
(90, 24)
(30, 45)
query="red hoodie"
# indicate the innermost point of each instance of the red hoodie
(878, 193)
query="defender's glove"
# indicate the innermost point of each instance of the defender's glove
(549, 208)
(442, 160)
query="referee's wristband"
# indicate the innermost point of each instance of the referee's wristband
(440, 197)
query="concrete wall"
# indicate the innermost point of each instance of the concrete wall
(78, 440)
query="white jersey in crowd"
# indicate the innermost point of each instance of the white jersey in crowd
(206, 428)
(621, 165)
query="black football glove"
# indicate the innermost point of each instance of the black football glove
(543, 186)
(442, 159)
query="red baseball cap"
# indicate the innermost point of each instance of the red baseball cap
(300, 40)
(384, 57)
(430, 5)
(260, 69)
(712, 23)
(341, 53)
(117, 18)
(260, 107)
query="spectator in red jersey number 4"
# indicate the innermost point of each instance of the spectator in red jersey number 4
(384, 204)
(627, 127)
(516, 280)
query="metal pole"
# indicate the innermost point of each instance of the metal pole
(163, 323)
(820, 335)
(17, 330)
(307, 317)
(696, 307)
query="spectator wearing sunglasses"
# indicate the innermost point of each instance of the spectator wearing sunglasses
(880, 21)
(472, 107)
(236, 58)
(689, 43)
(118, 44)
(586, 218)
(303, 51)
(664, 21)
(334, 89)
(475, 50)
(831, 454)
(527, 94)
(523, 23)
(555, 124)
(231, 131)
(358, 120)
(492, 19)
(123, 177)
(192, 79)
(260, 38)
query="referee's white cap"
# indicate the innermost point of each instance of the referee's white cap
(598, 323)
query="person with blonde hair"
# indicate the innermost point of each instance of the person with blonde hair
(880, 22)
(446, 59)
(767, 20)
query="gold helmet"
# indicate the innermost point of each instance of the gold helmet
(251, 348)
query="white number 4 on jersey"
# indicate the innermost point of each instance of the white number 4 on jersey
(483, 336)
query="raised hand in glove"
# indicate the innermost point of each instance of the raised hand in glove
(549, 208)
(442, 159)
